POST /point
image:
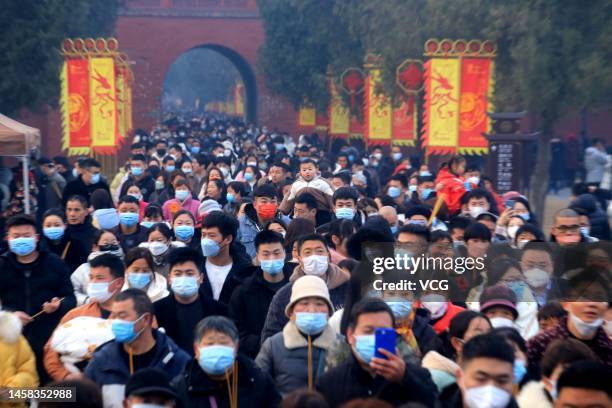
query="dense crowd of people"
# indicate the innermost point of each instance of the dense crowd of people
(226, 265)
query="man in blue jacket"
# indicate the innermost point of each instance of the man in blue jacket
(136, 346)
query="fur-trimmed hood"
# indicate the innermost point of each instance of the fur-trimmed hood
(435, 360)
(335, 276)
(533, 394)
(292, 338)
(10, 327)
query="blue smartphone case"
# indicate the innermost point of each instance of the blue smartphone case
(384, 339)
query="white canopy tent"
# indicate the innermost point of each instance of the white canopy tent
(18, 140)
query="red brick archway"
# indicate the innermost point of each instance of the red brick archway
(246, 73)
(154, 33)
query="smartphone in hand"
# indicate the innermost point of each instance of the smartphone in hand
(384, 338)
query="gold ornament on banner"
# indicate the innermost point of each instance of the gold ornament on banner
(460, 48)
(80, 47)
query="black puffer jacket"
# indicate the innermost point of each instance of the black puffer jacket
(349, 380)
(249, 307)
(82, 233)
(600, 228)
(425, 336)
(26, 287)
(196, 389)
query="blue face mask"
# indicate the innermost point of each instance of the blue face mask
(365, 347)
(181, 195)
(230, 197)
(400, 309)
(394, 229)
(424, 173)
(195, 149)
(148, 224)
(209, 247)
(426, 193)
(351, 158)
(272, 266)
(412, 188)
(137, 171)
(311, 323)
(554, 394)
(124, 330)
(217, 359)
(248, 176)
(519, 371)
(139, 280)
(75, 174)
(128, 219)
(22, 246)
(279, 146)
(53, 233)
(185, 286)
(345, 213)
(95, 178)
(170, 169)
(525, 216)
(184, 232)
(397, 156)
(394, 192)
(518, 288)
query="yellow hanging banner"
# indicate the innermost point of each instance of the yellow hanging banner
(379, 111)
(239, 99)
(307, 116)
(441, 127)
(103, 103)
(338, 113)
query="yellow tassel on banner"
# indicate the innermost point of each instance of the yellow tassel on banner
(64, 107)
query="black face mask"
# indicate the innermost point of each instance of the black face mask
(161, 152)
(109, 248)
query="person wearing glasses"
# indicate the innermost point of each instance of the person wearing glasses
(566, 228)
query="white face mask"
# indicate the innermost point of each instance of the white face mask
(486, 396)
(99, 291)
(158, 248)
(501, 322)
(536, 277)
(586, 329)
(512, 231)
(315, 265)
(520, 244)
(436, 304)
(474, 180)
(476, 211)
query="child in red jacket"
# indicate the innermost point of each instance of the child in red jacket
(451, 184)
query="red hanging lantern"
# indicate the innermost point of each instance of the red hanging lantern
(409, 77)
(352, 81)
